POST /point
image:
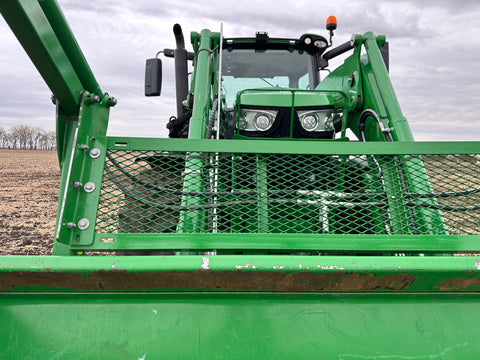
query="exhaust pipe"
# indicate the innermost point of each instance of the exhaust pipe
(181, 71)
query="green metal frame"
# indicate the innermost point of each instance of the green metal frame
(299, 147)
(435, 242)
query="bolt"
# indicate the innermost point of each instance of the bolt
(84, 147)
(89, 187)
(83, 224)
(95, 153)
(77, 185)
(351, 80)
(71, 225)
(111, 101)
(92, 99)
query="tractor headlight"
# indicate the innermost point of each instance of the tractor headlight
(263, 122)
(309, 122)
(256, 120)
(316, 120)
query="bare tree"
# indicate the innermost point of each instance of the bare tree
(21, 133)
(52, 140)
(34, 137)
(7, 140)
(15, 136)
(27, 137)
(4, 137)
(43, 141)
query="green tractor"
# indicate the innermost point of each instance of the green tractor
(289, 215)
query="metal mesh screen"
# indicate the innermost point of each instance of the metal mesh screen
(194, 192)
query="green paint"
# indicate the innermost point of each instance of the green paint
(205, 326)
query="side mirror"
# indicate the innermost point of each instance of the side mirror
(153, 77)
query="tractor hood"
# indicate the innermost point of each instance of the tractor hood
(285, 98)
(288, 113)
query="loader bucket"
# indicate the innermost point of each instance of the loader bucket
(239, 306)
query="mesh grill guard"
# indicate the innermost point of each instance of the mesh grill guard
(199, 192)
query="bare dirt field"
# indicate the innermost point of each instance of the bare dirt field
(29, 188)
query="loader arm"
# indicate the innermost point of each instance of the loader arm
(260, 234)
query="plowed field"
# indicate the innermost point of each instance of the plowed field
(29, 185)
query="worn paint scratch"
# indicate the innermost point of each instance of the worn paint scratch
(206, 262)
(143, 357)
(246, 266)
(248, 279)
(439, 355)
(113, 265)
(32, 267)
(477, 264)
(458, 283)
(274, 267)
(330, 267)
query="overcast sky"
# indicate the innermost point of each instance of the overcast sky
(434, 55)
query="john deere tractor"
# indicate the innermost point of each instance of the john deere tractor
(289, 215)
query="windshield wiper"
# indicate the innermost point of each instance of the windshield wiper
(268, 82)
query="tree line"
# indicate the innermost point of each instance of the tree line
(27, 138)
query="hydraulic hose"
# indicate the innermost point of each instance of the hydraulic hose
(445, 207)
(361, 127)
(361, 130)
(362, 120)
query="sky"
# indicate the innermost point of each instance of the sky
(434, 56)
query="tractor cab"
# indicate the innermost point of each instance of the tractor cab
(261, 62)
(269, 88)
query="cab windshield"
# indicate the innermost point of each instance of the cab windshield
(251, 69)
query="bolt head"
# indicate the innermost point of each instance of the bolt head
(89, 187)
(77, 185)
(83, 224)
(95, 153)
